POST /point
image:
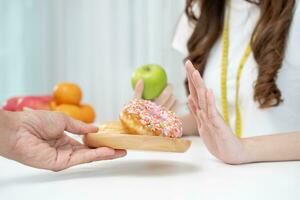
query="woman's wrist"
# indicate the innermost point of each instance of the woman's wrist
(257, 149)
(249, 150)
(276, 147)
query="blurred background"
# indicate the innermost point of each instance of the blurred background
(94, 43)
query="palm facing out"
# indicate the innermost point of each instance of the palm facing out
(216, 135)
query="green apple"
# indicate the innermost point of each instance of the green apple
(154, 77)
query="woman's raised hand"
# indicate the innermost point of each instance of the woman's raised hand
(216, 135)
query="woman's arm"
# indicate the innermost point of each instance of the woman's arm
(219, 138)
(279, 147)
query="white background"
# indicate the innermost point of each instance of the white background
(95, 43)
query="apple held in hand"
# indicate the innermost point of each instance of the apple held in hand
(155, 80)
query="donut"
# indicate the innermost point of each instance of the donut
(143, 117)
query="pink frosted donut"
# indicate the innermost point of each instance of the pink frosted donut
(144, 117)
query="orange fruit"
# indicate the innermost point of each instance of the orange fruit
(67, 93)
(70, 110)
(88, 114)
(53, 105)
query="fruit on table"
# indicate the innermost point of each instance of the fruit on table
(67, 93)
(154, 77)
(88, 114)
(53, 105)
(32, 102)
(67, 98)
(83, 112)
(11, 104)
(70, 110)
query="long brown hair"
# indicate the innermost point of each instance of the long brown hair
(268, 47)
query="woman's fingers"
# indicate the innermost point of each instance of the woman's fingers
(194, 111)
(200, 122)
(89, 155)
(192, 106)
(189, 71)
(203, 118)
(170, 103)
(211, 107)
(165, 95)
(139, 88)
(212, 112)
(197, 86)
(200, 90)
(175, 106)
(166, 98)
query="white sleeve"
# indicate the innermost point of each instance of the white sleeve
(292, 47)
(182, 34)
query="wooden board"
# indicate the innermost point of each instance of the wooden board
(137, 142)
(113, 135)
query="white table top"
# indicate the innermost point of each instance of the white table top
(153, 175)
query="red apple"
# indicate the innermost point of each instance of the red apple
(11, 104)
(34, 102)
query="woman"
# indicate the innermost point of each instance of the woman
(247, 53)
(266, 95)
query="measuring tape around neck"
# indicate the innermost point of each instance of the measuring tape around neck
(224, 68)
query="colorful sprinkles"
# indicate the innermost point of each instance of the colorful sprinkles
(156, 118)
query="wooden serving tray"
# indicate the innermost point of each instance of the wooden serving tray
(113, 135)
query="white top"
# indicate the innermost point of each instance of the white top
(194, 175)
(255, 121)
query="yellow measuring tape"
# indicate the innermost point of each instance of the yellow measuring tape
(225, 52)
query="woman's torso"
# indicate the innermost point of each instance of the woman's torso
(255, 121)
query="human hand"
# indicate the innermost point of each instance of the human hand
(216, 135)
(37, 139)
(166, 98)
